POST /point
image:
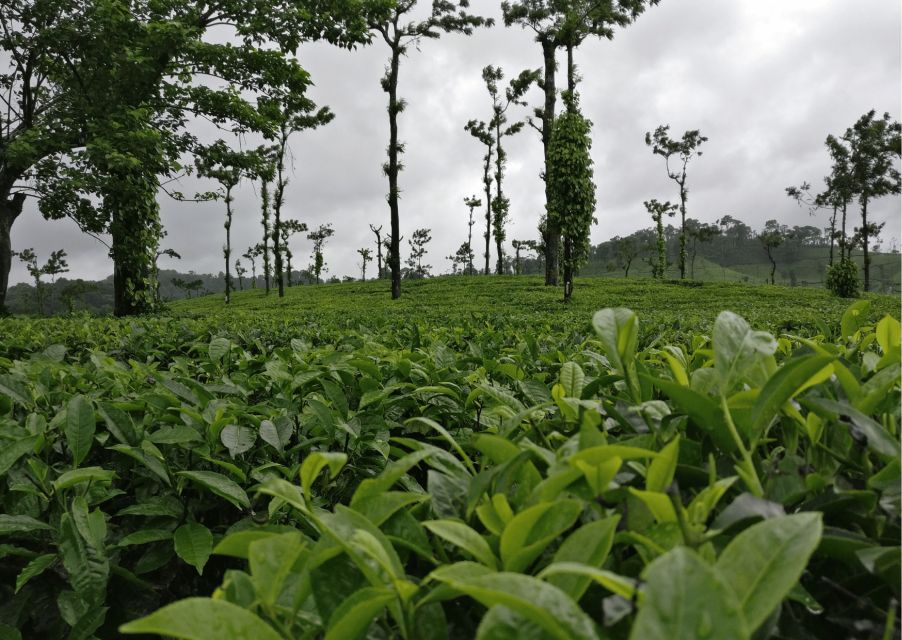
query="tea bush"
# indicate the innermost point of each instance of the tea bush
(466, 475)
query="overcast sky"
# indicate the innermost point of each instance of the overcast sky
(765, 80)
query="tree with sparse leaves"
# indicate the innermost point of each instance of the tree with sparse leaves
(240, 271)
(680, 153)
(418, 242)
(366, 255)
(319, 237)
(228, 167)
(564, 24)
(773, 235)
(481, 132)
(54, 266)
(378, 233)
(571, 207)
(288, 228)
(472, 203)
(625, 251)
(499, 127)
(251, 256)
(293, 113)
(400, 32)
(519, 247)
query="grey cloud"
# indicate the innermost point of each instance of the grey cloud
(765, 80)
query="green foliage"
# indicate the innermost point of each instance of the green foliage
(842, 279)
(339, 475)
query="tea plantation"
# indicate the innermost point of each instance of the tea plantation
(475, 460)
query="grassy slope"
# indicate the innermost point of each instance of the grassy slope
(441, 300)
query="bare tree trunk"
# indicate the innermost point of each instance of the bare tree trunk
(552, 236)
(568, 269)
(865, 241)
(683, 228)
(10, 209)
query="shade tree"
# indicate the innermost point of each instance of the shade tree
(658, 210)
(875, 145)
(228, 167)
(288, 228)
(564, 24)
(499, 127)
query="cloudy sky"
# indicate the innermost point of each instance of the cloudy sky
(765, 80)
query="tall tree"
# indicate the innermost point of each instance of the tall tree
(564, 24)
(658, 210)
(228, 167)
(874, 145)
(682, 151)
(251, 256)
(366, 255)
(319, 237)
(378, 232)
(500, 128)
(471, 203)
(481, 131)
(572, 205)
(400, 32)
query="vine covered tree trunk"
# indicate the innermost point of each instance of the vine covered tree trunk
(552, 235)
(264, 196)
(832, 233)
(135, 231)
(10, 209)
(277, 216)
(487, 183)
(227, 249)
(394, 108)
